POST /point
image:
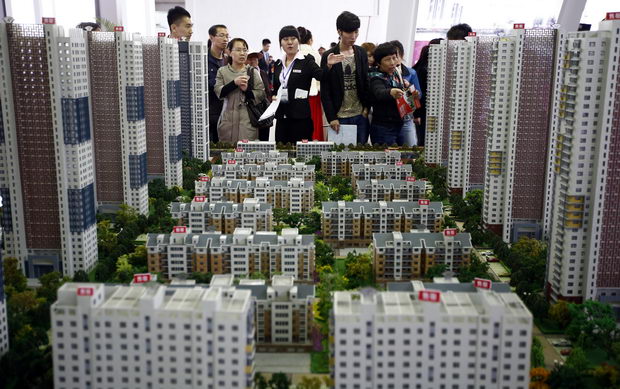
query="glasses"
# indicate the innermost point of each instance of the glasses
(240, 51)
(223, 36)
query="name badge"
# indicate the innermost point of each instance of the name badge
(296, 70)
(284, 95)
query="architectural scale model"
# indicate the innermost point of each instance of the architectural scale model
(582, 210)
(340, 163)
(202, 216)
(256, 145)
(241, 253)
(305, 149)
(389, 190)
(47, 181)
(271, 170)
(255, 157)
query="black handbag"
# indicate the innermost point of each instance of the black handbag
(255, 111)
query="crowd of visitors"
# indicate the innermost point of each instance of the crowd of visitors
(367, 89)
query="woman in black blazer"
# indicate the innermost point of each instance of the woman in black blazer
(294, 74)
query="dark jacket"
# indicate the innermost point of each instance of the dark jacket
(262, 64)
(300, 78)
(265, 77)
(422, 69)
(332, 87)
(384, 110)
(215, 104)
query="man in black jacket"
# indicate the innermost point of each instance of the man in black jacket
(218, 39)
(344, 91)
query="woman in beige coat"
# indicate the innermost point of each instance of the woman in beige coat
(232, 86)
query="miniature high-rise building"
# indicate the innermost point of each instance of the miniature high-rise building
(435, 100)
(518, 132)
(582, 216)
(152, 336)
(185, 97)
(47, 179)
(431, 335)
(4, 326)
(116, 73)
(153, 108)
(305, 149)
(198, 53)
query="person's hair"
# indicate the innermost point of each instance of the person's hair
(288, 31)
(369, 46)
(333, 44)
(231, 44)
(423, 58)
(384, 50)
(93, 26)
(399, 47)
(266, 42)
(304, 35)
(177, 13)
(347, 22)
(458, 32)
(213, 29)
(253, 56)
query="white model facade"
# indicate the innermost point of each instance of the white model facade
(430, 339)
(256, 145)
(152, 336)
(133, 130)
(171, 111)
(461, 112)
(198, 53)
(581, 217)
(306, 149)
(435, 103)
(270, 170)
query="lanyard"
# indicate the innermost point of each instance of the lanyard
(286, 74)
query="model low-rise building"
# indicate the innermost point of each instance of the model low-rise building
(365, 172)
(388, 190)
(256, 157)
(283, 309)
(296, 195)
(340, 163)
(353, 223)
(270, 170)
(152, 336)
(202, 216)
(431, 336)
(308, 149)
(406, 256)
(256, 145)
(241, 253)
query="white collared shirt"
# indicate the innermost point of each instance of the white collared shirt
(287, 70)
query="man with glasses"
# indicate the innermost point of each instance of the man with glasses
(180, 23)
(345, 89)
(218, 39)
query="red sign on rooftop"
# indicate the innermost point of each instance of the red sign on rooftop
(200, 199)
(161, 34)
(48, 20)
(239, 149)
(432, 296)
(179, 229)
(232, 162)
(449, 232)
(471, 33)
(482, 283)
(304, 141)
(612, 16)
(244, 141)
(85, 291)
(399, 163)
(424, 202)
(205, 179)
(119, 28)
(410, 179)
(518, 26)
(141, 278)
